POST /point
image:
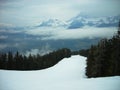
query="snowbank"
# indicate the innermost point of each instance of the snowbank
(69, 74)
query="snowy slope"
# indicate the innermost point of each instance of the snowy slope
(69, 74)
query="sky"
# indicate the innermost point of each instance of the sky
(29, 12)
(19, 20)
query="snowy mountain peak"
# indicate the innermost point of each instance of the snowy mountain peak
(53, 23)
(81, 21)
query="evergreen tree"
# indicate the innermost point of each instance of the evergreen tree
(32, 62)
(10, 62)
(104, 58)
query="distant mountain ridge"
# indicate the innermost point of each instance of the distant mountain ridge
(82, 20)
(79, 21)
(53, 23)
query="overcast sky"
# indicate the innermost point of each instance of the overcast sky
(28, 12)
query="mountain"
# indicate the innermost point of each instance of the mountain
(83, 20)
(78, 21)
(110, 21)
(52, 23)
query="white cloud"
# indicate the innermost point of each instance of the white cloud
(25, 12)
(2, 46)
(10, 31)
(6, 25)
(86, 32)
(3, 37)
(44, 50)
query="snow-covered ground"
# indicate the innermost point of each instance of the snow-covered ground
(68, 74)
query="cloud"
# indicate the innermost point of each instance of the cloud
(25, 12)
(6, 25)
(61, 34)
(10, 31)
(2, 46)
(3, 37)
(9, 28)
(44, 50)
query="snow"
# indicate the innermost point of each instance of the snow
(68, 74)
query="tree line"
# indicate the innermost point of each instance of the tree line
(10, 61)
(104, 58)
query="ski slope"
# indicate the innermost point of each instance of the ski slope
(68, 74)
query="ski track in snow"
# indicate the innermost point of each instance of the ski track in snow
(68, 74)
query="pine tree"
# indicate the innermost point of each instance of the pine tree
(104, 58)
(10, 62)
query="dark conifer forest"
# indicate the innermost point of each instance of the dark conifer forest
(104, 58)
(10, 61)
(17, 61)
